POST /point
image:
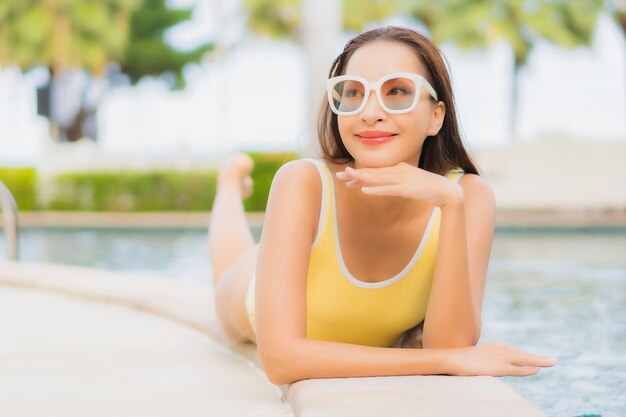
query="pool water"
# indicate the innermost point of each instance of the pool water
(561, 294)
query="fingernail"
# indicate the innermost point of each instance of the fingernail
(349, 169)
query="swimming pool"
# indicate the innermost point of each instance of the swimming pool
(558, 293)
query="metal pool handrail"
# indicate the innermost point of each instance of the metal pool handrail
(9, 212)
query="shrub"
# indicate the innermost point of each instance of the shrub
(158, 191)
(134, 191)
(22, 182)
(265, 167)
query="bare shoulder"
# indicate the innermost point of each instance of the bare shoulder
(299, 179)
(476, 187)
(480, 204)
(295, 196)
(299, 172)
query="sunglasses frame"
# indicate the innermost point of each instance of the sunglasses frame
(419, 81)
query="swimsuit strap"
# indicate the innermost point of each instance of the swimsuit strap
(326, 203)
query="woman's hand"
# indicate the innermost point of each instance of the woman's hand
(403, 180)
(496, 359)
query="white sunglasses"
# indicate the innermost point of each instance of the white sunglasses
(397, 93)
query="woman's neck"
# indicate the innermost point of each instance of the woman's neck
(376, 208)
(379, 209)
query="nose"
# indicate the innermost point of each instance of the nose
(373, 112)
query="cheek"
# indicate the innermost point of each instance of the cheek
(415, 125)
(345, 127)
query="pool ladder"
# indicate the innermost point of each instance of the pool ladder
(9, 212)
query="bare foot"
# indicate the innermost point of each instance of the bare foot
(236, 170)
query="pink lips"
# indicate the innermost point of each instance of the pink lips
(374, 137)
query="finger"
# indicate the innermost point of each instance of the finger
(392, 170)
(528, 359)
(391, 190)
(522, 370)
(342, 175)
(524, 355)
(349, 180)
(372, 176)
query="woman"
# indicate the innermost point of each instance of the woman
(383, 243)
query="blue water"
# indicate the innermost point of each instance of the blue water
(561, 294)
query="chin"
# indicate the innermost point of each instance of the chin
(376, 161)
(379, 158)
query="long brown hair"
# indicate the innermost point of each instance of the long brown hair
(440, 153)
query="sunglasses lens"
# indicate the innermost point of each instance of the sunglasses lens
(347, 95)
(398, 93)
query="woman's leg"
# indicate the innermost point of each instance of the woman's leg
(230, 298)
(229, 233)
(231, 247)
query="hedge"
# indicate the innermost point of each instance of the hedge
(265, 167)
(133, 191)
(157, 191)
(22, 182)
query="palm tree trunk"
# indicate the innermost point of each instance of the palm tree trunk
(621, 20)
(519, 62)
(321, 29)
(513, 116)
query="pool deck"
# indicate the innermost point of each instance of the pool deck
(86, 342)
(507, 219)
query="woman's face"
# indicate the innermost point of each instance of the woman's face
(374, 137)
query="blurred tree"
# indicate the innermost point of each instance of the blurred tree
(471, 24)
(282, 18)
(274, 18)
(468, 24)
(67, 36)
(63, 35)
(316, 26)
(147, 53)
(618, 10)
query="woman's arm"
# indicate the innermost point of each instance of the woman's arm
(453, 315)
(465, 235)
(287, 355)
(308, 359)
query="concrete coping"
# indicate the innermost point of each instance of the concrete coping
(191, 305)
(518, 219)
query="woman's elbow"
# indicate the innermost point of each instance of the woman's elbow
(277, 365)
(277, 377)
(275, 370)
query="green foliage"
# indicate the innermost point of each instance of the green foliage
(147, 52)
(85, 34)
(63, 33)
(466, 23)
(158, 191)
(361, 13)
(477, 24)
(22, 182)
(265, 167)
(472, 24)
(617, 9)
(274, 18)
(134, 191)
(282, 18)
(89, 34)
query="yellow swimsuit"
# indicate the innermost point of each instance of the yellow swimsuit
(340, 307)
